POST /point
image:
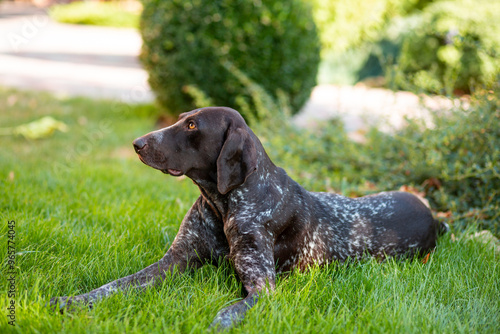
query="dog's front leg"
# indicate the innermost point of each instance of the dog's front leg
(200, 240)
(142, 279)
(253, 257)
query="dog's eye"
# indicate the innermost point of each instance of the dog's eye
(191, 125)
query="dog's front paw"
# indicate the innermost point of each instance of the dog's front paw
(69, 304)
(226, 318)
(60, 303)
(230, 316)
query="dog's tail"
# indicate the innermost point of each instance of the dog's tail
(443, 228)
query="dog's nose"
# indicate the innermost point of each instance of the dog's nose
(139, 144)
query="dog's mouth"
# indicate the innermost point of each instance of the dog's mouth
(142, 160)
(173, 172)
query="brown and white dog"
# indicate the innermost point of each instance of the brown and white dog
(252, 213)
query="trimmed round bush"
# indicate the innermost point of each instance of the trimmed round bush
(189, 43)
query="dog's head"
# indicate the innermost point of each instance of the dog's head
(213, 144)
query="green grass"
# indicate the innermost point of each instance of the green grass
(88, 212)
(110, 14)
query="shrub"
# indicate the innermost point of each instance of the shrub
(355, 38)
(188, 43)
(346, 24)
(110, 14)
(456, 45)
(455, 162)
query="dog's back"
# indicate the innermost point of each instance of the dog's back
(337, 227)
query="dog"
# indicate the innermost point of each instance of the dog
(253, 214)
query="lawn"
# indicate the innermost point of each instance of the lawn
(87, 211)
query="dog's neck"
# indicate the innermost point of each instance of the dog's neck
(210, 193)
(207, 183)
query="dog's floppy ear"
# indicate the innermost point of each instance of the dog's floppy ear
(237, 159)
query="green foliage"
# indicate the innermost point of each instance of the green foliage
(462, 152)
(112, 14)
(347, 24)
(188, 43)
(425, 46)
(360, 38)
(455, 162)
(456, 45)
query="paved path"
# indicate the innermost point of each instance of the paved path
(37, 53)
(360, 107)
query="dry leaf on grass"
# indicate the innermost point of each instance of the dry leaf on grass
(426, 258)
(446, 214)
(42, 128)
(432, 183)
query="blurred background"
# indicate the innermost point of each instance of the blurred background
(336, 50)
